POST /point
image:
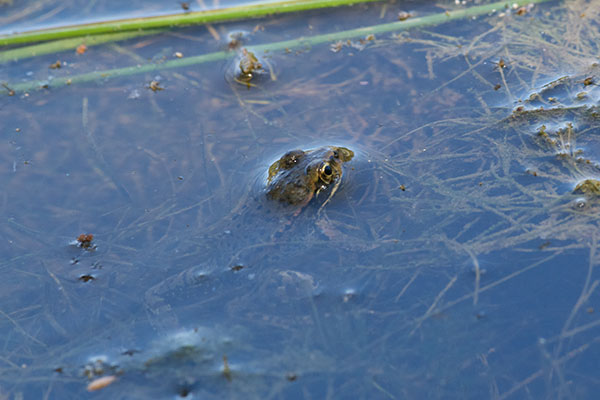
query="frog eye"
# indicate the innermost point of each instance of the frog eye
(325, 172)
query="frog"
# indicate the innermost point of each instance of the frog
(299, 176)
(291, 183)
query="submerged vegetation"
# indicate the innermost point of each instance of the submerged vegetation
(470, 201)
(589, 187)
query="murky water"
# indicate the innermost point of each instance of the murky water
(453, 261)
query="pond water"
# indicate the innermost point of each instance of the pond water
(456, 258)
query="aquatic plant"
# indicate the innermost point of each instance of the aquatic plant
(106, 32)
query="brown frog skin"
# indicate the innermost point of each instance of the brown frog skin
(299, 175)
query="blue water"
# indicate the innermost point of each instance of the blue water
(454, 261)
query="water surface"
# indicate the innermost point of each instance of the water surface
(453, 262)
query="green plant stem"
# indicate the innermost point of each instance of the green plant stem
(69, 44)
(164, 21)
(283, 45)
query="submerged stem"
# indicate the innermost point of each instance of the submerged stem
(69, 44)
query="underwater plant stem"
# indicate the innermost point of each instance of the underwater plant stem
(69, 44)
(171, 20)
(283, 45)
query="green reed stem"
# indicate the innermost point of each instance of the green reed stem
(164, 21)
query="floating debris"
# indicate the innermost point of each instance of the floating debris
(96, 367)
(523, 9)
(403, 15)
(290, 376)
(85, 241)
(10, 91)
(337, 46)
(480, 314)
(589, 187)
(531, 172)
(81, 49)
(562, 141)
(101, 383)
(544, 245)
(86, 278)
(155, 86)
(56, 65)
(184, 392)
(236, 39)
(359, 44)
